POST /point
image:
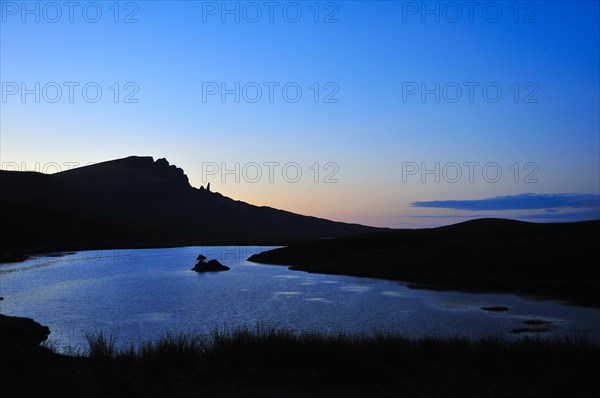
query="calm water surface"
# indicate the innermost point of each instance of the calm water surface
(142, 294)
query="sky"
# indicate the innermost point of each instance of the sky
(398, 114)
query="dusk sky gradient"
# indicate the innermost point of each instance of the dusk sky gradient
(369, 131)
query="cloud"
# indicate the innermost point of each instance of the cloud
(527, 201)
(568, 216)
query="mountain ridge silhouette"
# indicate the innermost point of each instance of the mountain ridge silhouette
(138, 202)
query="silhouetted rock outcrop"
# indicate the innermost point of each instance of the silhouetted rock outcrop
(21, 331)
(211, 266)
(496, 308)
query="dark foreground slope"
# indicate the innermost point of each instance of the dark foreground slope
(279, 363)
(553, 260)
(137, 202)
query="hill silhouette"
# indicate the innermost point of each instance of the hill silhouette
(551, 260)
(138, 202)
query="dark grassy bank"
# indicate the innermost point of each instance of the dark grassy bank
(550, 260)
(278, 363)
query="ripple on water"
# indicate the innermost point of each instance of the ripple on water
(355, 288)
(392, 293)
(318, 299)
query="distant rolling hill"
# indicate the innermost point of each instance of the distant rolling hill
(138, 202)
(552, 260)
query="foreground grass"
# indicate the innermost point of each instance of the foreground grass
(274, 362)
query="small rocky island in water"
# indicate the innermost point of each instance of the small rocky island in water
(211, 266)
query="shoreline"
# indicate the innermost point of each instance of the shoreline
(10, 257)
(416, 281)
(543, 261)
(418, 284)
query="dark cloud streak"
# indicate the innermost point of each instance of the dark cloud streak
(526, 201)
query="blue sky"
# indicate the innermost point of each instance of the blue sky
(361, 133)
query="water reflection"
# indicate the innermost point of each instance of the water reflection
(141, 294)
